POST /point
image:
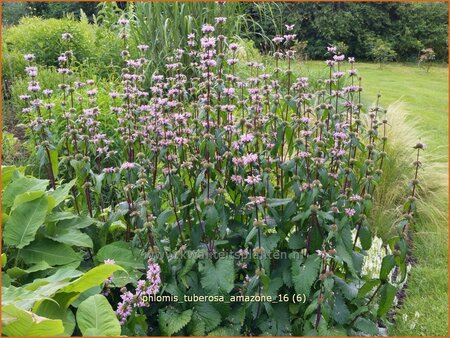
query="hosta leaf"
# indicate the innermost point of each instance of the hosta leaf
(123, 255)
(78, 222)
(95, 316)
(304, 275)
(217, 278)
(17, 272)
(17, 322)
(7, 175)
(51, 309)
(26, 197)
(91, 278)
(61, 193)
(20, 186)
(172, 321)
(72, 237)
(24, 222)
(49, 251)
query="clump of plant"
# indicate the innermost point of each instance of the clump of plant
(382, 52)
(256, 187)
(426, 58)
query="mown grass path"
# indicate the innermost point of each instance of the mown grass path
(426, 98)
(425, 310)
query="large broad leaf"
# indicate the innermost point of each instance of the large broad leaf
(17, 272)
(20, 186)
(7, 175)
(60, 194)
(93, 277)
(26, 197)
(96, 317)
(72, 237)
(304, 275)
(50, 309)
(217, 278)
(171, 321)
(17, 322)
(49, 251)
(24, 222)
(123, 254)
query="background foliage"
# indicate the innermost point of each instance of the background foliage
(404, 25)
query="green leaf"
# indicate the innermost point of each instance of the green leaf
(95, 316)
(7, 175)
(366, 326)
(277, 202)
(344, 254)
(50, 309)
(365, 237)
(72, 237)
(367, 287)
(91, 278)
(251, 234)
(59, 216)
(387, 296)
(206, 313)
(341, 314)
(20, 186)
(217, 278)
(61, 193)
(164, 216)
(387, 265)
(4, 260)
(26, 197)
(304, 275)
(79, 222)
(17, 322)
(123, 254)
(296, 241)
(24, 222)
(49, 251)
(54, 159)
(171, 321)
(211, 218)
(17, 272)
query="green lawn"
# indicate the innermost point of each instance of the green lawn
(426, 99)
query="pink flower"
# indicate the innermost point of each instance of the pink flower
(253, 180)
(206, 28)
(350, 211)
(236, 178)
(127, 165)
(321, 254)
(355, 198)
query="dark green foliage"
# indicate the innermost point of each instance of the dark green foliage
(409, 26)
